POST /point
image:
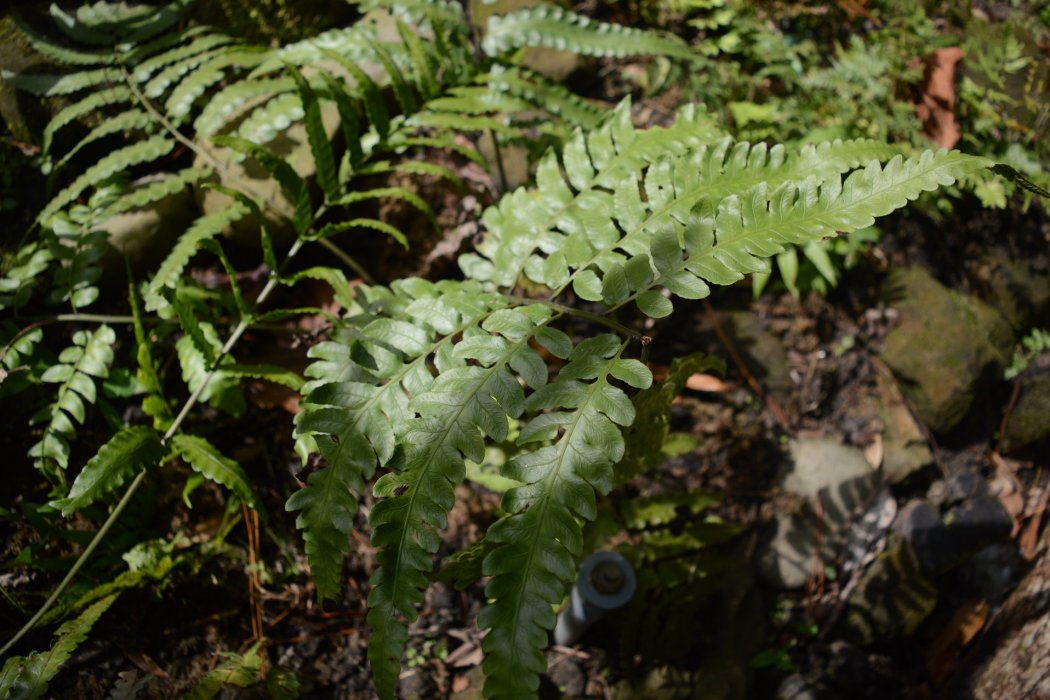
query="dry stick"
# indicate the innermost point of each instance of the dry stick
(771, 403)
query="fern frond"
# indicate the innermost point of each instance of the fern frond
(419, 12)
(115, 94)
(146, 67)
(117, 161)
(131, 120)
(553, 27)
(232, 97)
(465, 404)
(62, 54)
(541, 540)
(44, 85)
(596, 162)
(155, 191)
(204, 76)
(79, 365)
(544, 94)
(17, 284)
(127, 453)
(197, 351)
(27, 676)
(357, 400)
(317, 137)
(207, 461)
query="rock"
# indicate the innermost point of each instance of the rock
(904, 447)
(957, 489)
(1021, 294)
(1029, 421)
(828, 478)
(992, 572)
(250, 177)
(568, 677)
(764, 353)
(947, 349)
(919, 524)
(145, 236)
(891, 599)
(1010, 657)
(969, 526)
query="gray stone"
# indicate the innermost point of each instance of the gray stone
(891, 599)
(764, 353)
(904, 447)
(834, 485)
(568, 677)
(145, 236)
(946, 350)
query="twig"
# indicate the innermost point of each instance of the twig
(771, 403)
(1014, 395)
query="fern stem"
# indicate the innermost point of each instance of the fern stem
(78, 564)
(579, 313)
(242, 326)
(345, 258)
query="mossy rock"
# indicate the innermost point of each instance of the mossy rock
(1029, 421)
(947, 350)
(891, 599)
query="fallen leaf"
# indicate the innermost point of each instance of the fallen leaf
(706, 382)
(960, 631)
(460, 683)
(873, 452)
(936, 107)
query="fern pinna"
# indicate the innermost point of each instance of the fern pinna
(420, 375)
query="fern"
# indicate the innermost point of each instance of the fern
(710, 215)
(556, 28)
(26, 678)
(79, 365)
(210, 463)
(127, 453)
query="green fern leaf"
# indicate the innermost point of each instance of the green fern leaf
(44, 85)
(525, 220)
(62, 54)
(462, 406)
(374, 224)
(222, 390)
(127, 453)
(204, 228)
(541, 539)
(131, 120)
(30, 261)
(207, 461)
(228, 100)
(148, 66)
(368, 92)
(324, 159)
(181, 99)
(155, 191)
(350, 44)
(327, 508)
(556, 28)
(78, 366)
(93, 102)
(541, 92)
(26, 677)
(173, 72)
(117, 161)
